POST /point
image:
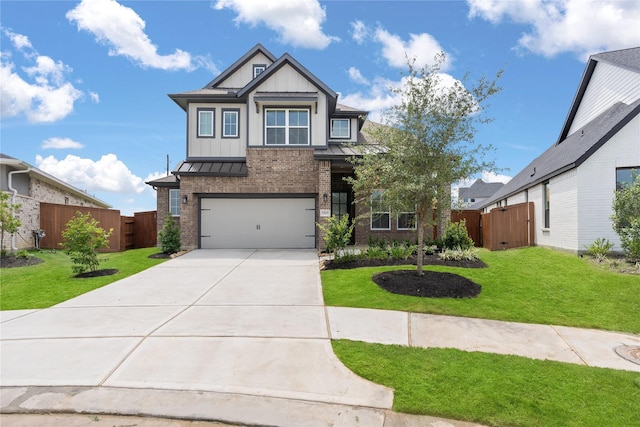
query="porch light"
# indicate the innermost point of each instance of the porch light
(184, 199)
(325, 197)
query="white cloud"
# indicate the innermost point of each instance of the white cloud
(583, 27)
(60, 143)
(298, 23)
(122, 29)
(43, 95)
(378, 98)
(356, 76)
(360, 31)
(495, 177)
(421, 47)
(107, 174)
(94, 97)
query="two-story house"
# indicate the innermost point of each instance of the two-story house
(267, 149)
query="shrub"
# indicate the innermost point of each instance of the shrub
(376, 252)
(626, 217)
(22, 254)
(376, 242)
(9, 222)
(459, 254)
(82, 237)
(337, 233)
(170, 236)
(456, 236)
(599, 249)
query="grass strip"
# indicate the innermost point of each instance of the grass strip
(496, 390)
(52, 282)
(531, 285)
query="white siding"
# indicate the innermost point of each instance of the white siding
(287, 79)
(217, 146)
(608, 85)
(563, 211)
(597, 183)
(244, 74)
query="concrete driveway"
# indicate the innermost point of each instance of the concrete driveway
(236, 323)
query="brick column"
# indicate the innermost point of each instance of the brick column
(324, 187)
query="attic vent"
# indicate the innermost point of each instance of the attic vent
(258, 69)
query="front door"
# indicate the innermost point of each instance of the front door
(341, 204)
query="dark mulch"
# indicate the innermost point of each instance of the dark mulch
(97, 273)
(432, 284)
(11, 261)
(428, 260)
(160, 255)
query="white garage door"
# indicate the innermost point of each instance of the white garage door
(283, 223)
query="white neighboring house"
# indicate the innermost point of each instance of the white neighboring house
(29, 186)
(572, 183)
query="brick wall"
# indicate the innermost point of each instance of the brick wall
(270, 170)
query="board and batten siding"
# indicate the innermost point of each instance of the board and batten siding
(597, 184)
(353, 132)
(287, 79)
(216, 146)
(608, 85)
(241, 77)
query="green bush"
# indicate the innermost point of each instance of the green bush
(337, 233)
(9, 222)
(459, 254)
(599, 249)
(170, 236)
(626, 217)
(456, 236)
(376, 252)
(81, 239)
(376, 242)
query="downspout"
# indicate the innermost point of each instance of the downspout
(13, 201)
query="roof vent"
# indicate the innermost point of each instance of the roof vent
(581, 133)
(534, 171)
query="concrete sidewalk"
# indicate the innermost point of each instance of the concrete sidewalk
(240, 337)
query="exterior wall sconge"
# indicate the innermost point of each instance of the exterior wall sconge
(325, 197)
(184, 200)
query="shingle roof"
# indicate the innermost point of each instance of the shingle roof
(571, 152)
(479, 190)
(165, 181)
(625, 58)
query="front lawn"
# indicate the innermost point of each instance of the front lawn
(52, 282)
(496, 390)
(531, 285)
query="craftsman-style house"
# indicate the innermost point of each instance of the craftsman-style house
(267, 147)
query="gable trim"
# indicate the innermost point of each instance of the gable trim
(258, 48)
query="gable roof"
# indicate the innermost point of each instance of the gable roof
(628, 59)
(258, 48)
(50, 179)
(573, 151)
(479, 190)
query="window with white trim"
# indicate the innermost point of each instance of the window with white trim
(406, 221)
(380, 214)
(230, 123)
(258, 69)
(174, 201)
(206, 128)
(286, 126)
(340, 129)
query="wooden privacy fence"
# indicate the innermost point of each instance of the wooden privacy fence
(508, 227)
(138, 231)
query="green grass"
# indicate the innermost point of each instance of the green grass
(495, 389)
(531, 285)
(52, 282)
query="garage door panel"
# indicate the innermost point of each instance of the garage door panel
(257, 223)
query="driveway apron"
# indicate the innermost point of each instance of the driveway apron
(250, 322)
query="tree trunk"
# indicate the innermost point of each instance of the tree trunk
(420, 257)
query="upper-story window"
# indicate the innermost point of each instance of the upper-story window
(206, 128)
(230, 123)
(286, 126)
(258, 69)
(340, 128)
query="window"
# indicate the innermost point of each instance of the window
(339, 203)
(258, 69)
(206, 123)
(230, 123)
(286, 127)
(174, 201)
(406, 221)
(546, 201)
(625, 176)
(340, 128)
(380, 216)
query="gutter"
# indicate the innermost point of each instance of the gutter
(13, 200)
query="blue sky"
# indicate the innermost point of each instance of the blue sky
(84, 85)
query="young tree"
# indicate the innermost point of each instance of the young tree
(425, 144)
(170, 236)
(82, 237)
(337, 233)
(9, 222)
(626, 217)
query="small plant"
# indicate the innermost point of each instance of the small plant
(599, 249)
(376, 252)
(459, 254)
(376, 242)
(9, 222)
(22, 254)
(345, 255)
(170, 236)
(456, 236)
(626, 217)
(82, 237)
(337, 233)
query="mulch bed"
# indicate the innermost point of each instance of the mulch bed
(11, 261)
(432, 284)
(428, 260)
(97, 273)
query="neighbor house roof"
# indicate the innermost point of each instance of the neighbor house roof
(571, 153)
(17, 164)
(479, 190)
